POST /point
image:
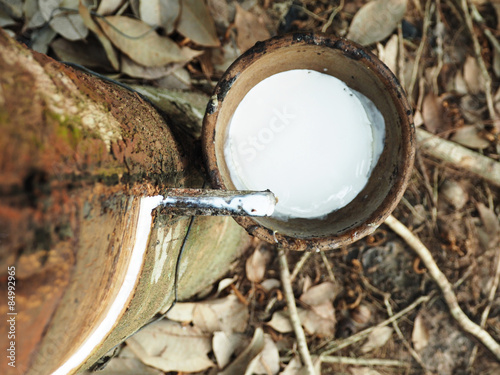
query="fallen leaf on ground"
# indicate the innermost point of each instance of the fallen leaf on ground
(255, 266)
(268, 361)
(420, 334)
(224, 346)
(472, 75)
(140, 43)
(240, 364)
(319, 294)
(84, 11)
(376, 339)
(182, 312)
(132, 69)
(169, 346)
(363, 371)
(196, 23)
(468, 136)
(69, 25)
(90, 55)
(390, 57)
(454, 193)
(433, 114)
(376, 20)
(162, 13)
(280, 322)
(249, 28)
(107, 7)
(126, 366)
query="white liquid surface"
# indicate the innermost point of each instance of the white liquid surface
(308, 138)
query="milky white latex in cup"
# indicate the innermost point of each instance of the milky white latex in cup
(308, 138)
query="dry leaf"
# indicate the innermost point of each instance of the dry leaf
(489, 219)
(14, 8)
(196, 23)
(390, 57)
(84, 11)
(126, 366)
(6, 20)
(377, 338)
(268, 361)
(250, 29)
(169, 346)
(363, 371)
(107, 7)
(255, 266)
(224, 346)
(376, 20)
(472, 75)
(320, 320)
(90, 55)
(280, 322)
(226, 314)
(206, 319)
(135, 70)
(140, 43)
(224, 283)
(162, 13)
(182, 312)
(454, 193)
(270, 284)
(468, 136)
(293, 367)
(319, 294)
(68, 25)
(41, 39)
(420, 334)
(240, 364)
(32, 16)
(433, 114)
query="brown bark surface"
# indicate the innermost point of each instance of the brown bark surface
(76, 154)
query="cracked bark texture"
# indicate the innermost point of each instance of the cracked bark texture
(77, 153)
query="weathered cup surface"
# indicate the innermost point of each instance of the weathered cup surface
(360, 70)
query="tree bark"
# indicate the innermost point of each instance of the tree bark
(77, 154)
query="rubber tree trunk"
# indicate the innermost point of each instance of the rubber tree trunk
(76, 156)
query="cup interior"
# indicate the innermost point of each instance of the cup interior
(361, 71)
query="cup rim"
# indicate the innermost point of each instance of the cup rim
(351, 50)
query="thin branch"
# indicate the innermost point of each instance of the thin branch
(294, 315)
(335, 11)
(331, 275)
(459, 156)
(338, 345)
(447, 289)
(480, 61)
(412, 351)
(486, 312)
(429, 8)
(364, 361)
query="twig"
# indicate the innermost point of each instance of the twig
(335, 11)
(295, 272)
(459, 156)
(486, 312)
(480, 61)
(401, 56)
(388, 307)
(338, 345)
(303, 259)
(328, 267)
(294, 315)
(451, 299)
(364, 361)
(395, 325)
(429, 8)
